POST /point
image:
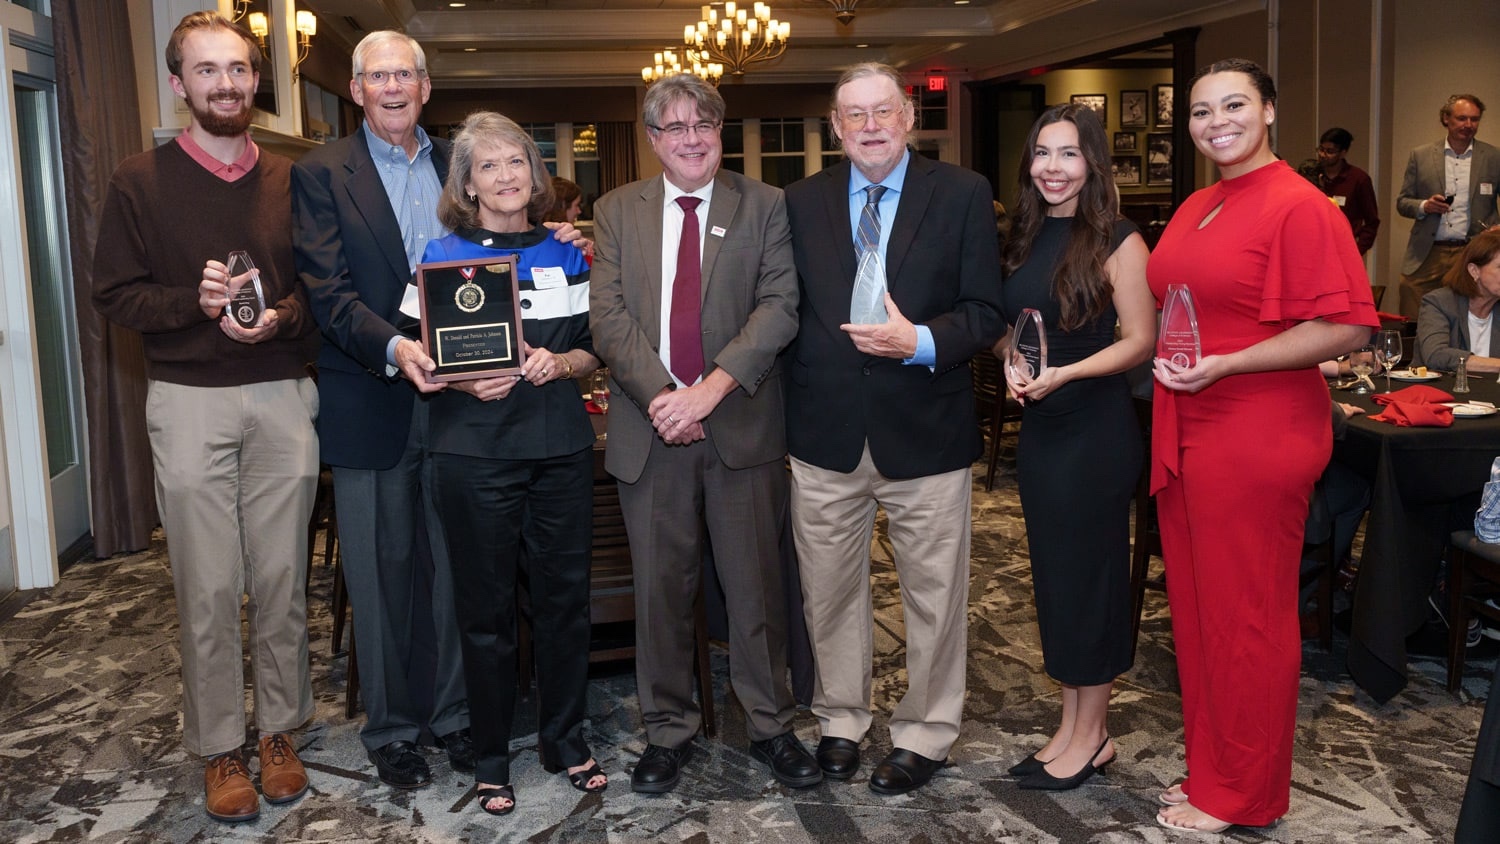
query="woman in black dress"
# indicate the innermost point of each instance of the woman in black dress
(1071, 258)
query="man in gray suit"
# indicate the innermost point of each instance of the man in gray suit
(692, 298)
(1449, 189)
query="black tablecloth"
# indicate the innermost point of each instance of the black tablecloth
(1425, 482)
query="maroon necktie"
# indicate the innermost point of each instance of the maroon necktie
(686, 330)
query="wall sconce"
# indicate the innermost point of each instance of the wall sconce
(307, 27)
(240, 8)
(260, 28)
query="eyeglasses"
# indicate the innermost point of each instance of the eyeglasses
(1329, 151)
(404, 76)
(678, 131)
(884, 115)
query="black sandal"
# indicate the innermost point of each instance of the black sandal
(581, 779)
(485, 795)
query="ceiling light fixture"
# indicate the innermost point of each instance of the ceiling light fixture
(742, 38)
(843, 10)
(668, 62)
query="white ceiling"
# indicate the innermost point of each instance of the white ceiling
(543, 43)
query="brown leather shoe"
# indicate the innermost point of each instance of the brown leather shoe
(282, 777)
(229, 795)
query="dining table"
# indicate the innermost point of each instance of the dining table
(1425, 482)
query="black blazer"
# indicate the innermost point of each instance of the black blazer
(942, 270)
(351, 258)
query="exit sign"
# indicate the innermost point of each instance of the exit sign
(937, 83)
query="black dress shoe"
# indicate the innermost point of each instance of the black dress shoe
(1026, 767)
(838, 757)
(659, 768)
(790, 762)
(400, 765)
(460, 747)
(1043, 781)
(903, 771)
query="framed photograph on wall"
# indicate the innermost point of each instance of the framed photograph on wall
(1163, 106)
(1098, 103)
(1134, 110)
(1125, 142)
(1159, 158)
(1126, 169)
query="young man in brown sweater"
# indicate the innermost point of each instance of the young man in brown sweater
(229, 408)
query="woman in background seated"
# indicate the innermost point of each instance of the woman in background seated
(1457, 320)
(513, 464)
(567, 202)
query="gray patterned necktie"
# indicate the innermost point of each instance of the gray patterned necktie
(867, 305)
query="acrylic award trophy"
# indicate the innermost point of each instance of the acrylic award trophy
(1178, 341)
(246, 300)
(867, 305)
(1028, 346)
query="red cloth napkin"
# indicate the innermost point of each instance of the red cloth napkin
(1385, 317)
(1404, 415)
(1415, 394)
(1417, 406)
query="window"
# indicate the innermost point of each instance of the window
(732, 135)
(586, 166)
(932, 108)
(781, 151)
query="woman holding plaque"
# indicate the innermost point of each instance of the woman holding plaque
(1239, 437)
(513, 463)
(1074, 262)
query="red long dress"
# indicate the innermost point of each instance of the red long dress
(1233, 467)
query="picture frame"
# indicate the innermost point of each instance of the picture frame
(1126, 170)
(1135, 109)
(471, 318)
(1162, 105)
(1098, 103)
(1125, 142)
(1159, 158)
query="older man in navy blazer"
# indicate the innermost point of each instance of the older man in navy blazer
(883, 414)
(365, 208)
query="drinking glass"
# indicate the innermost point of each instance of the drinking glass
(1388, 350)
(1362, 363)
(599, 392)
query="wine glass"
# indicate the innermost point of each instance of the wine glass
(1362, 363)
(1388, 350)
(599, 392)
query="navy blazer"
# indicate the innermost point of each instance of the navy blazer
(943, 271)
(351, 258)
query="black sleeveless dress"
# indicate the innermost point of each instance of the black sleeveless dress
(1078, 462)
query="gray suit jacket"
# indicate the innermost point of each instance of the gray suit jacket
(1425, 177)
(1443, 331)
(749, 315)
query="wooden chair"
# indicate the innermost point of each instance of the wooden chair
(1473, 576)
(994, 407)
(612, 598)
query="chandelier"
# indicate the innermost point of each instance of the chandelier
(740, 38)
(696, 62)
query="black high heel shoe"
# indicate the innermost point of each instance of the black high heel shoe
(1026, 767)
(1043, 781)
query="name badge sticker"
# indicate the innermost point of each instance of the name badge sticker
(1340, 201)
(546, 278)
(717, 231)
(1486, 188)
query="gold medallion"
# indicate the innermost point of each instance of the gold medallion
(469, 297)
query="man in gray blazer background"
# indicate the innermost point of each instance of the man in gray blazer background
(693, 295)
(1449, 189)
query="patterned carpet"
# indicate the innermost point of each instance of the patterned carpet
(90, 749)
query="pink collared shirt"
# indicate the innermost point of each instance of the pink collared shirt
(233, 171)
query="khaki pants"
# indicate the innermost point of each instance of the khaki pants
(1427, 277)
(236, 472)
(833, 515)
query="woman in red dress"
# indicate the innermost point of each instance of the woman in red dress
(1238, 440)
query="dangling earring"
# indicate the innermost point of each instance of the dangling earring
(473, 196)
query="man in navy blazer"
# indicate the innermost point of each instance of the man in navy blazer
(365, 208)
(1449, 191)
(883, 414)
